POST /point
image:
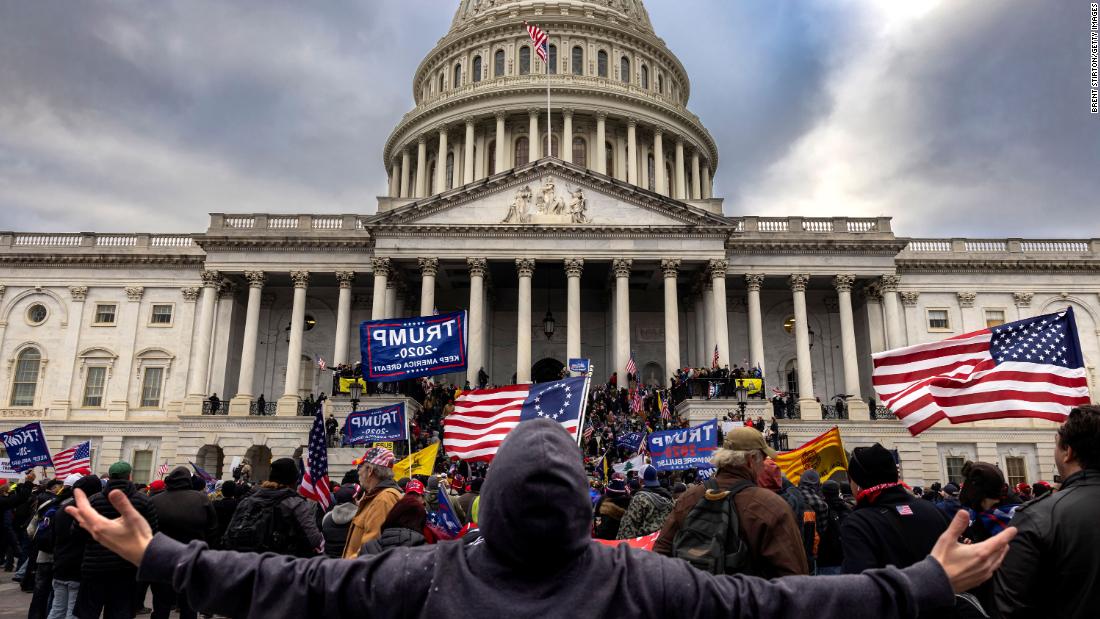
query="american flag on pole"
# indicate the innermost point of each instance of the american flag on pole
(315, 484)
(321, 365)
(631, 366)
(162, 470)
(539, 37)
(663, 406)
(483, 417)
(73, 460)
(1027, 368)
(636, 402)
(714, 359)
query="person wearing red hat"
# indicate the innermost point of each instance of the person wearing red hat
(156, 487)
(1024, 492)
(380, 494)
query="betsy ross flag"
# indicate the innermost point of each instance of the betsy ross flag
(75, 459)
(315, 484)
(1027, 368)
(714, 359)
(539, 37)
(483, 417)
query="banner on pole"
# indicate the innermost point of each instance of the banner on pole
(398, 348)
(673, 450)
(419, 463)
(26, 447)
(579, 366)
(386, 423)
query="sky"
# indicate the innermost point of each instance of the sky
(954, 118)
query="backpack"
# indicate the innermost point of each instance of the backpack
(259, 525)
(710, 538)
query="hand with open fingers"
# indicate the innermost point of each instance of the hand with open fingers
(128, 535)
(969, 565)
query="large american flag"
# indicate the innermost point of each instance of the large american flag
(714, 359)
(1027, 368)
(483, 417)
(631, 366)
(315, 484)
(539, 36)
(73, 460)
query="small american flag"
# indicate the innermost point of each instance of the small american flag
(321, 363)
(636, 402)
(714, 359)
(631, 366)
(663, 405)
(1027, 368)
(315, 484)
(905, 510)
(588, 431)
(72, 460)
(539, 36)
(162, 470)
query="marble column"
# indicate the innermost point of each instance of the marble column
(381, 276)
(573, 269)
(659, 162)
(441, 162)
(288, 404)
(681, 194)
(895, 336)
(857, 408)
(621, 268)
(501, 164)
(468, 154)
(601, 144)
(708, 322)
(707, 188)
(241, 402)
(807, 405)
(395, 179)
(721, 317)
(533, 135)
(670, 268)
(421, 167)
(391, 297)
(632, 151)
(567, 135)
(696, 184)
(700, 333)
(405, 163)
(343, 317)
(753, 282)
(620, 156)
(200, 349)
(428, 269)
(970, 320)
(643, 163)
(526, 269)
(475, 321)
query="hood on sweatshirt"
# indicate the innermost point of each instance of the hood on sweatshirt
(535, 513)
(178, 479)
(343, 513)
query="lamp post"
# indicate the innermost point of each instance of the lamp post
(742, 393)
(355, 390)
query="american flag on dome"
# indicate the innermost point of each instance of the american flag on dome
(631, 366)
(315, 484)
(1028, 368)
(73, 460)
(539, 37)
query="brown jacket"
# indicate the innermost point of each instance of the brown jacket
(367, 523)
(767, 525)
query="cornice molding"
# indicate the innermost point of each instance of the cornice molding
(909, 265)
(108, 261)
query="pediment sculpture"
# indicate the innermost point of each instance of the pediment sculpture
(517, 212)
(549, 207)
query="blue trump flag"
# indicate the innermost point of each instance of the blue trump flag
(632, 441)
(386, 423)
(26, 447)
(394, 349)
(443, 520)
(674, 450)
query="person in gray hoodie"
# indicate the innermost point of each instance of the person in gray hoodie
(535, 558)
(334, 526)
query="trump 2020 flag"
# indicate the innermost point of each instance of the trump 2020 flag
(483, 417)
(1028, 368)
(26, 446)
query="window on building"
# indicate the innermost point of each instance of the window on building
(449, 181)
(609, 156)
(439, 82)
(994, 317)
(498, 63)
(105, 313)
(954, 467)
(792, 379)
(457, 81)
(95, 383)
(1015, 470)
(651, 172)
(553, 146)
(578, 60)
(143, 466)
(580, 152)
(25, 383)
(601, 63)
(492, 151)
(938, 320)
(151, 382)
(645, 77)
(432, 189)
(669, 176)
(624, 70)
(161, 314)
(524, 60)
(554, 59)
(522, 151)
(37, 313)
(661, 84)
(475, 72)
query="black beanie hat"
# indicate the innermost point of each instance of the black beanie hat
(831, 489)
(229, 489)
(284, 471)
(871, 466)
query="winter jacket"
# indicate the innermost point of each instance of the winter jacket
(766, 521)
(535, 559)
(647, 513)
(830, 552)
(949, 506)
(306, 539)
(16, 498)
(1052, 568)
(334, 527)
(609, 513)
(464, 505)
(224, 509)
(367, 523)
(897, 529)
(184, 514)
(393, 537)
(98, 561)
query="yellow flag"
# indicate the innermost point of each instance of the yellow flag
(419, 463)
(825, 454)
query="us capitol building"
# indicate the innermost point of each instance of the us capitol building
(610, 243)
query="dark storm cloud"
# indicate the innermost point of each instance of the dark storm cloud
(958, 118)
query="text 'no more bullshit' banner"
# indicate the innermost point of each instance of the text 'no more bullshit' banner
(690, 448)
(398, 348)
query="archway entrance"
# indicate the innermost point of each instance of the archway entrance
(546, 370)
(212, 460)
(259, 456)
(653, 374)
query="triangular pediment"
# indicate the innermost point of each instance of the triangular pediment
(549, 192)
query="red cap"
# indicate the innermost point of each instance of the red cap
(157, 485)
(415, 486)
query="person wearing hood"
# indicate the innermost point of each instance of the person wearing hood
(107, 581)
(277, 500)
(814, 517)
(68, 549)
(224, 508)
(535, 558)
(771, 478)
(649, 507)
(380, 494)
(950, 503)
(830, 552)
(405, 525)
(334, 526)
(611, 508)
(184, 514)
(985, 496)
(431, 496)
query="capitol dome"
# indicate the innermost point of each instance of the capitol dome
(618, 102)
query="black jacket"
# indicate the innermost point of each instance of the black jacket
(1053, 568)
(13, 500)
(393, 537)
(535, 559)
(224, 509)
(182, 513)
(830, 552)
(98, 561)
(334, 526)
(880, 534)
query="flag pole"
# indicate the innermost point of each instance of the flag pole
(549, 152)
(408, 437)
(584, 405)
